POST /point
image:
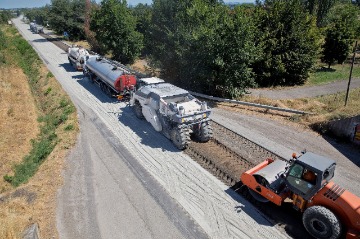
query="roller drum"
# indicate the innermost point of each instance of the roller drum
(270, 176)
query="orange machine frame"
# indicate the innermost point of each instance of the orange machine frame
(344, 204)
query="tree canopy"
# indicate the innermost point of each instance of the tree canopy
(341, 32)
(212, 47)
(204, 45)
(68, 16)
(289, 42)
(114, 26)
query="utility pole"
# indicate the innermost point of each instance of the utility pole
(351, 69)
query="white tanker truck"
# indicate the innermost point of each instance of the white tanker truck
(114, 79)
(77, 56)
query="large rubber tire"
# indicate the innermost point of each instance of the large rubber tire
(91, 78)
(180, 137)
(321, 223)
(204, 132)
(107, 91)
(138, 110)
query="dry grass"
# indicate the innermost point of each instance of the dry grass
(17, 212)
(34, 201)
(18, 120)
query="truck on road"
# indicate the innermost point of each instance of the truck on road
(112, 78)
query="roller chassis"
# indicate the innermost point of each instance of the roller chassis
(329, 211)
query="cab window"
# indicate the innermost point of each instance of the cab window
(297, 178)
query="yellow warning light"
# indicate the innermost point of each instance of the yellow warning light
(120, 97)
(204, 115)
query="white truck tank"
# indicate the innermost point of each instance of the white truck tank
(77, 57)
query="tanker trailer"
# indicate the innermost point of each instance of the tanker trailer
(77, 56)
(114, 80)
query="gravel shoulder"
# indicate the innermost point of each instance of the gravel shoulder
(305, 91)
(219, 212)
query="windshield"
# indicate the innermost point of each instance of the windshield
(301, 178)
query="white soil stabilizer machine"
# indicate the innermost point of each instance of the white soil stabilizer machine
(114, 79)
(172, 111)
(77, 57)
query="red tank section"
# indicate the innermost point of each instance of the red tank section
(125, 82)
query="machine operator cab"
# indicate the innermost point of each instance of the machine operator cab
(309, 173)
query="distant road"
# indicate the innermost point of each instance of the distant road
(306, 91)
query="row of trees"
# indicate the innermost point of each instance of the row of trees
(5, 16)
(62, 15)
(207, 46)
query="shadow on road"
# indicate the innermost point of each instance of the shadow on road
(349, 150)
(145, 131)
(94, 90)
(325, 69)
(69, 68)
(284, 216)
(40, 40)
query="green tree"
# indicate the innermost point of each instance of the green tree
(143, 14)
(5, 15)
(340, 34)
(289, 40)
(39, 15)
(319, 8)
(68, 16)
(114, 26)
(204, 45)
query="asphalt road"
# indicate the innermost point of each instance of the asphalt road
(124, 180)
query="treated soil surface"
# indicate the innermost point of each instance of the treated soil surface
(215, 208)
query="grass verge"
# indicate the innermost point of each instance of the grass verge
(33, 177)
(54, 110)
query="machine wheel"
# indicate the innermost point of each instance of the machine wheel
(180, 137)
(203, 132)
(138, 110)
(321, 223)
(91, 78)
(257, 196)
(107, 91)
(102, 87)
